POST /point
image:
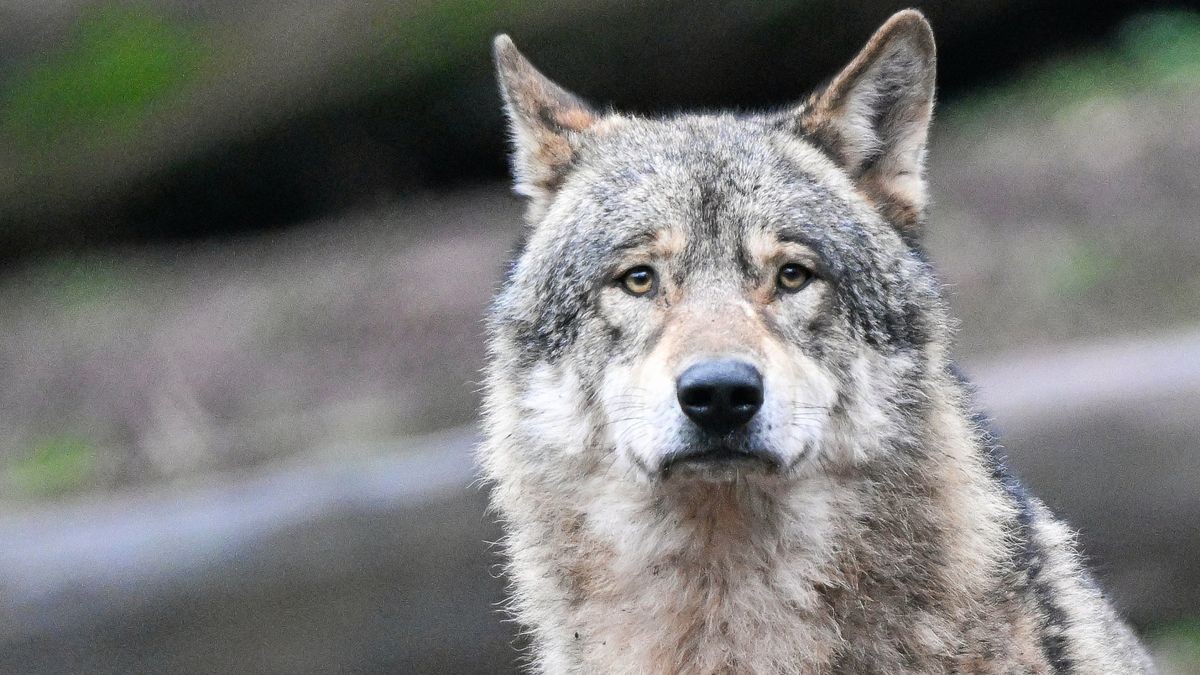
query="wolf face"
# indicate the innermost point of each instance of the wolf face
(719, 297)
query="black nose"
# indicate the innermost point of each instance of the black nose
(720, 395)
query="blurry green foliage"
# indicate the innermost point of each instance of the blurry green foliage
(117, 65)
(444, 31)
(1083, 267)
(431, 42)
(51, 467)
(1163, 46)
(1151, 49)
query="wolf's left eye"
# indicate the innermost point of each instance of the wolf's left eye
(792, 277)
(639, 280)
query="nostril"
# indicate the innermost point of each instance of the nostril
(746, 396)
(696, 397)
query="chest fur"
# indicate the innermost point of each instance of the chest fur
(726, 589)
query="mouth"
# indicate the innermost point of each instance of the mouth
(720, 461)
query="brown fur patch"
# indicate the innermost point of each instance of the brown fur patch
(668, 242)
(544, 117)
(904, 208)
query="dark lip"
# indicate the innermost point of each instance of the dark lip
(716, 458)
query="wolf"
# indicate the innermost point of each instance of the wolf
(723, 429)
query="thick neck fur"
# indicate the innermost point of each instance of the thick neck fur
(880, 565)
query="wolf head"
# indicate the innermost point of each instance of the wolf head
(719, 297)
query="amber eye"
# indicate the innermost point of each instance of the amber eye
(639, 280)
(792, 277)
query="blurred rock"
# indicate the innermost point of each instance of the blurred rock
(376, 565)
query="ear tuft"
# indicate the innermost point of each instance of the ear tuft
(873, 118)
(546, 121)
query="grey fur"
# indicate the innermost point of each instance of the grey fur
(891, 540)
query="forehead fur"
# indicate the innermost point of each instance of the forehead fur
(712, 178)
(664, 166)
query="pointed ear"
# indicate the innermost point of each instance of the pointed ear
(545, 119)
(873, 118)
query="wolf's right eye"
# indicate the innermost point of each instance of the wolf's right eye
(639, 280)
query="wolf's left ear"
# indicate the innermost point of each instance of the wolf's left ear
(546, 121)
(873, 118)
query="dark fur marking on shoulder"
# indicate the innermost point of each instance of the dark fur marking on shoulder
(1054, 642)
(1028, 556)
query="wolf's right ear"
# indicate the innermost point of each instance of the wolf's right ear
(546, 121)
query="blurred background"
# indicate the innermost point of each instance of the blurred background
(245, 249)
